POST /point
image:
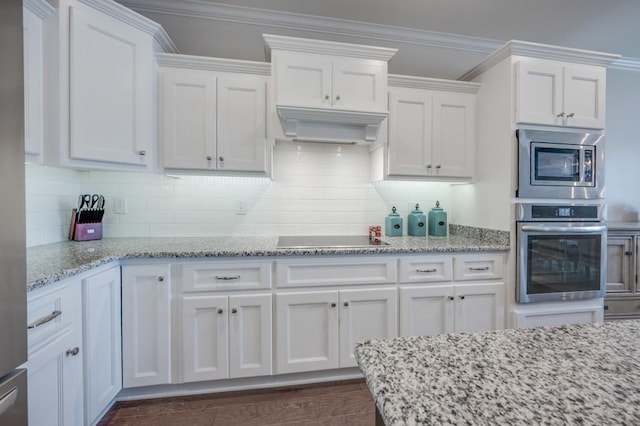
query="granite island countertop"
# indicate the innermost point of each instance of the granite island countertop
(575, 374)
(53, 262)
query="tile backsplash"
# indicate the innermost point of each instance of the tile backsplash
(317, 189)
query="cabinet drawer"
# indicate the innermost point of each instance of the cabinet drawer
(477, 267)
(425, 269)
(328, 272)
(622, 308)
(50, 314)
(226, 276)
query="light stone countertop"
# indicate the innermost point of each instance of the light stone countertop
(585, 374)
(53, 262)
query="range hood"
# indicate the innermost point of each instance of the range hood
(330, 125)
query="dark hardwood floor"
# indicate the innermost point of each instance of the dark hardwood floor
(332, 404)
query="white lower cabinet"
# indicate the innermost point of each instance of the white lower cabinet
(102, 341)
(558, 313)
(318, 330)
(226, 336)
(146, 325)
(54, 366)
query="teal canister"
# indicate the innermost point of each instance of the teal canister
(393, 224)
(438, 221)
(417, 225)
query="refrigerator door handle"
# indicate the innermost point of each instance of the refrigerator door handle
(45, 319)
(8, 400)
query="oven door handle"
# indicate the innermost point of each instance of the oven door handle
(591, 229)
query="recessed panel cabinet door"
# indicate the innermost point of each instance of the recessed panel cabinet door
(250, 344)
(204, 338)
(410, 141)
(303, 79)
(111, 90)
(188, 108)
(306, 331)
(453, 135)
(426, 310)
(359, 84)
(33, 82)
(146, 325)
(584, 96)
(479, 307)
(539, 93)
(366, 314)
(242, 128)
(620, 265)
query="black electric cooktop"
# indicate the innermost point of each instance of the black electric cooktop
(328, 241)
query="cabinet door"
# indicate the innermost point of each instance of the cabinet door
(303, 79)
(454, 135)
(242, 129)
(539, 93)
(250, 345)
(188, 114)
(620, 265)
(306, 331)
(55, 383)
(426, 310)
(33, 82)
(410, 113)
(366, 314)
(359, 84)
(111, 90)
(479, 307)
(102, 341)
(584, 96)
(204, 338)
(146, 325)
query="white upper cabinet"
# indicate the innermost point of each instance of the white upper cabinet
(327, 91)
(210, 120)
(101, 84)
(35, 12)
(431, 132)
(323, 81)
(559, 94)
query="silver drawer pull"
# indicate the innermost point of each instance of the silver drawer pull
(484, 268)
(426, 270)
(37, 323)
(228, 278)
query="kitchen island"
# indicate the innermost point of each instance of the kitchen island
(576, 374)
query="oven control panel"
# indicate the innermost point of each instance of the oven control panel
(559, 212)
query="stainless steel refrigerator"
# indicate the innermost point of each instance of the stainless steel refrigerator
(13, 288)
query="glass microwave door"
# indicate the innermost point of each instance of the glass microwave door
(556, 164)
(563, 263)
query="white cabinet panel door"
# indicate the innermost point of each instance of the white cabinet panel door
(303, 79)
(454, 135)
(306, 331)
(359, 84)
(250, 344)
(242, 128)
(102, 341)
(204, 338)
(188, 109)
(111, 90)
(410, 136)
(539, 93)
(479, 307)
(366, 314)
(584, 96)
(426, 310)
(146, 325)
(33, 86)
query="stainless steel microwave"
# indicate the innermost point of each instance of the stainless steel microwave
(560, 165)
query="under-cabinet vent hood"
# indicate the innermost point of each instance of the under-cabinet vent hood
(330, 125)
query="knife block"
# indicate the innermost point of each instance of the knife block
(87, 231)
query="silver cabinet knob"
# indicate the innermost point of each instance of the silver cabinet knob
(570, 115)
(160, 279)
(221, 158)
(73, 352)
(326, 97)
(337, 97)
(346, 304)
(208, 158)
(220, 311)
(333, 305)
(560, 115)
(234, 311)
(461, 297)
(428, 166)
(142, 152)
(438, 166)
(451, 297)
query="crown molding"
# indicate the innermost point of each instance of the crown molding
(313, 24)
(41, 8)
(128, 16)
(326, 47)
(213, 64)
(627, 64)
(541, 51)
(412, 82)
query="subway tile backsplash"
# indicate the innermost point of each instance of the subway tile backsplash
(317, 189)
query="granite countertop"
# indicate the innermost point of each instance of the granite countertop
(52, 262)
(574, 374)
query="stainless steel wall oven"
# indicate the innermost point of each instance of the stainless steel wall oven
(561, 252)
(560, 165)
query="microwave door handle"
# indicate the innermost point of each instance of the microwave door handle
(565, 229)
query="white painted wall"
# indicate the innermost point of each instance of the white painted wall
(622, 162)
(318, 189)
